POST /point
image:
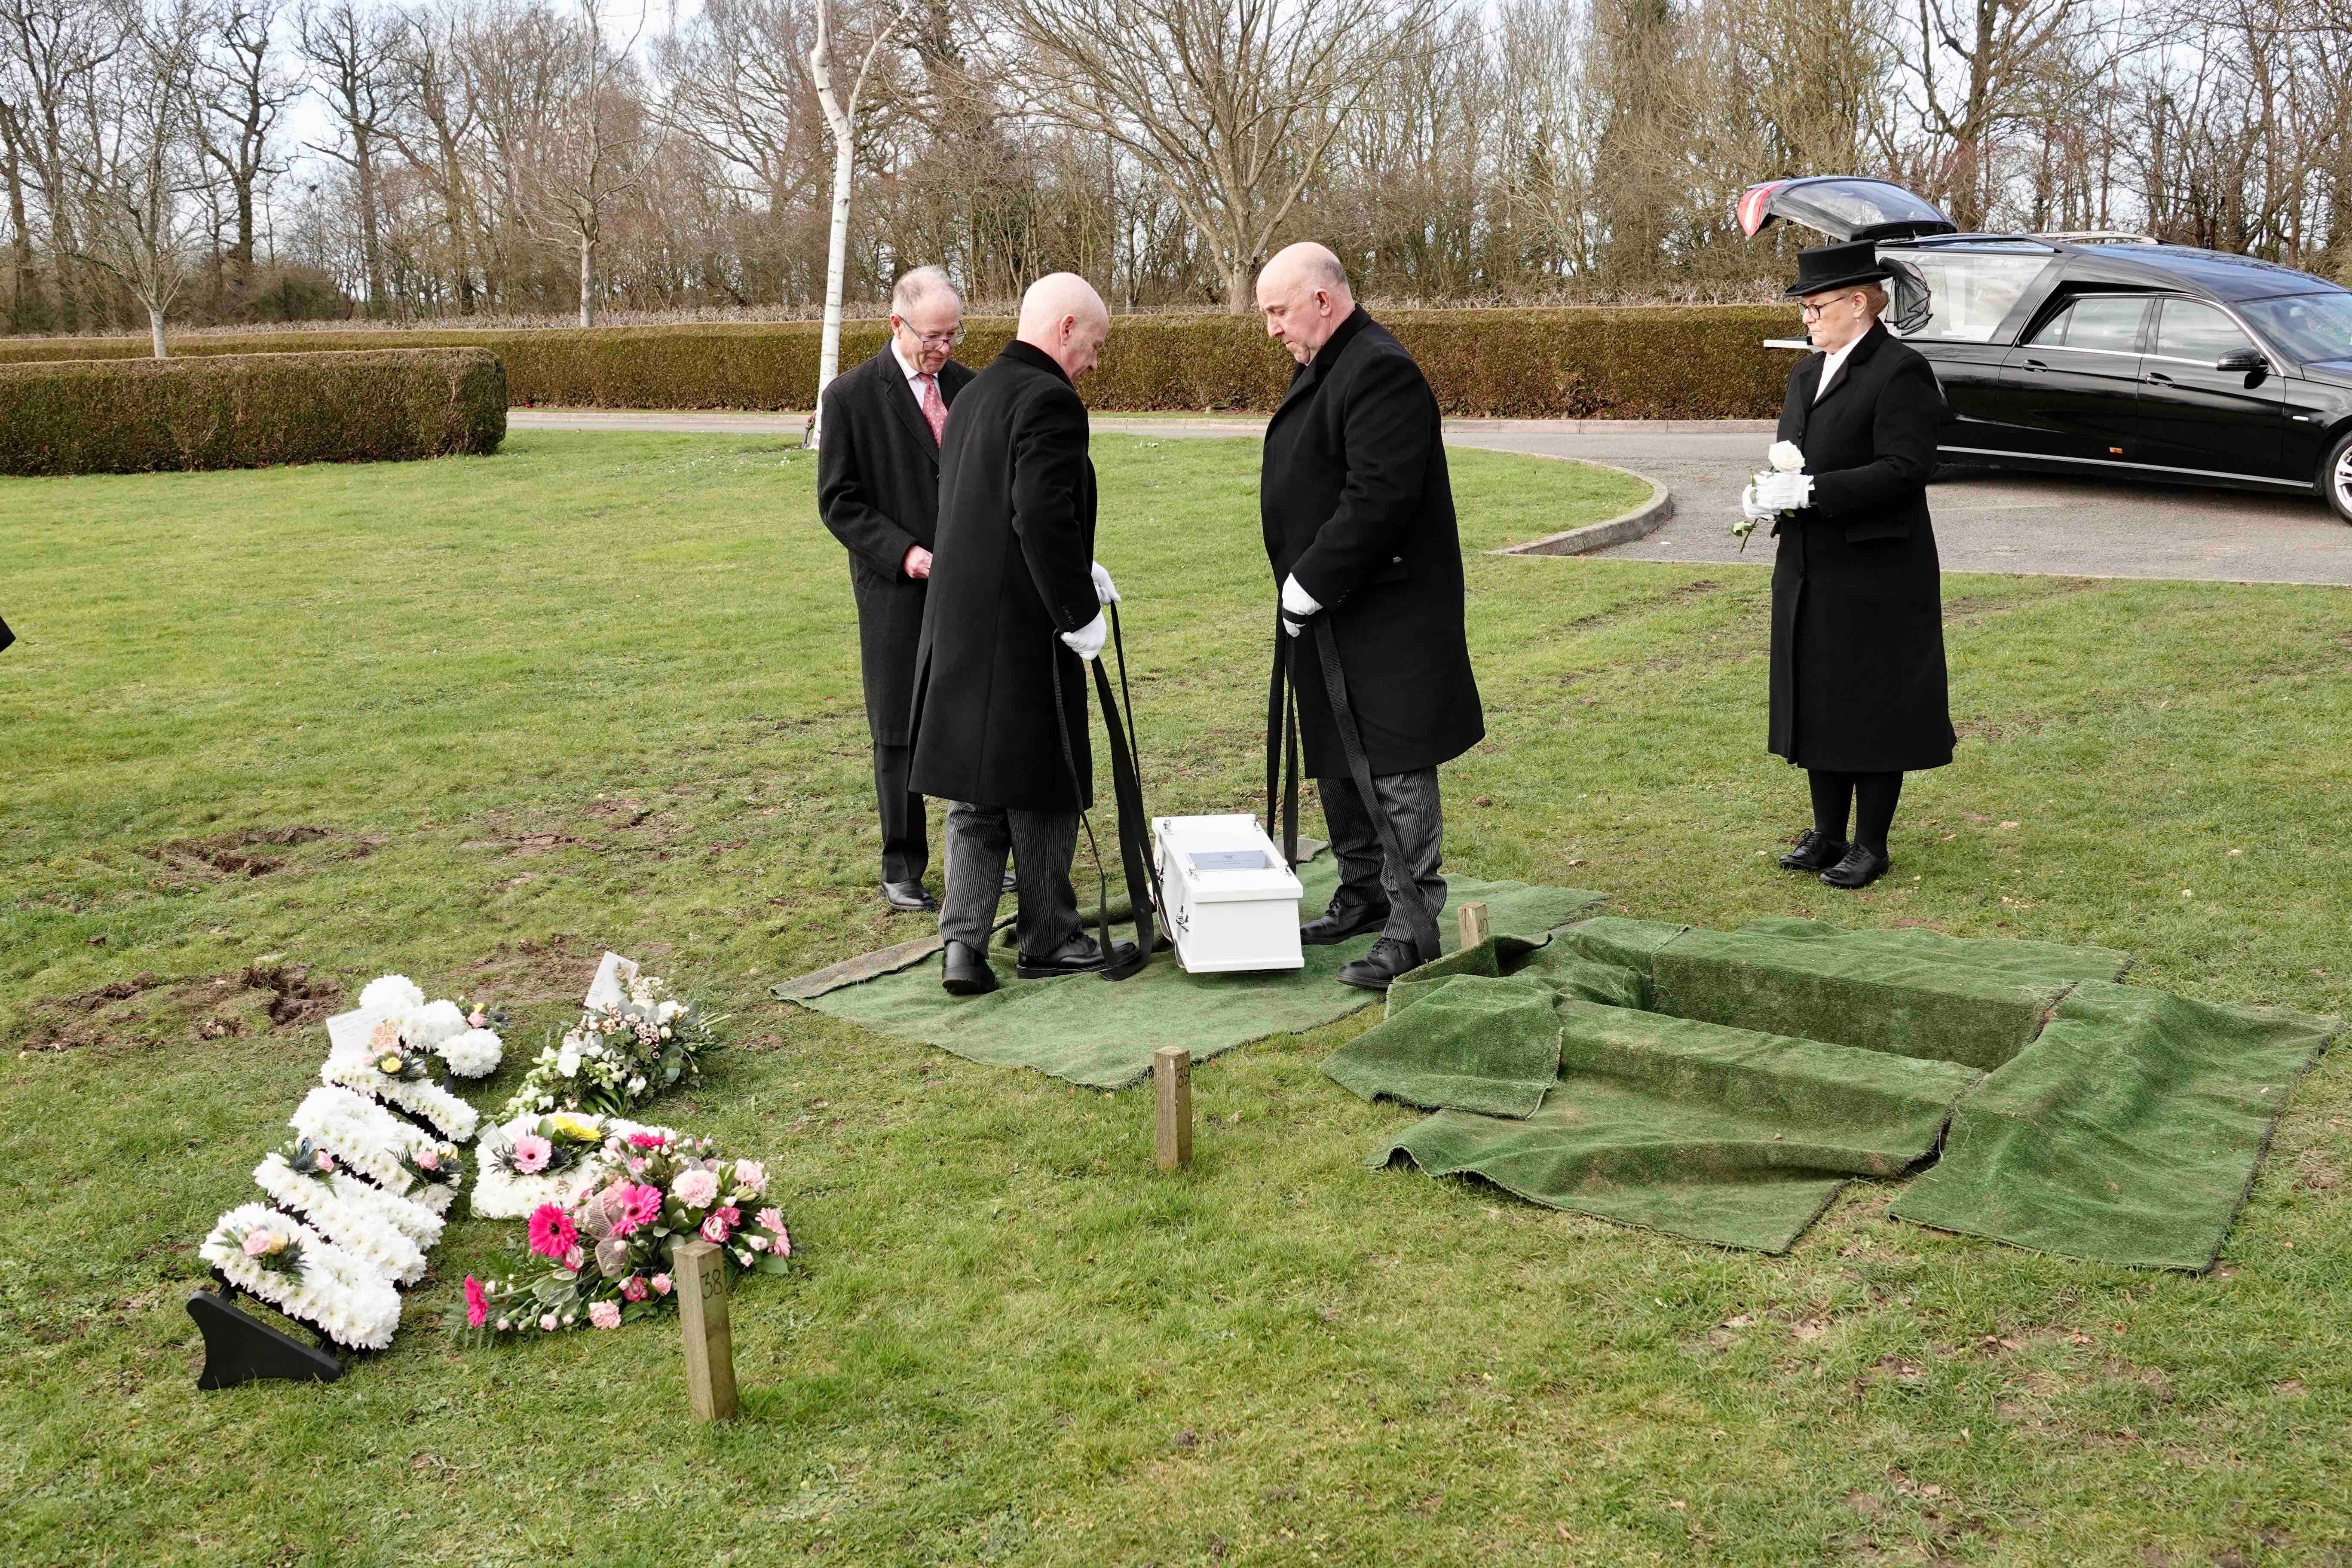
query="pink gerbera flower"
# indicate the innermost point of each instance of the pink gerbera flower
(552, 1233)
(639, 1205)
(477, 1304)
(647, 1139)
(531, 1153)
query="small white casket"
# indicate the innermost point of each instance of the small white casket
(1232, 905)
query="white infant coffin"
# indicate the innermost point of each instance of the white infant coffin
(1230, 904)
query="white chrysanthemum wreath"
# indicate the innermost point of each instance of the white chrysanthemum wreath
(282, 1261)
(465, 1037)
(401, 1159)
(535, 1160)
(395, 1072)
(358, 1218)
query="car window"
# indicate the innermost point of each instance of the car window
(1970, 292)
(2109, 322)
(2190, 329)
(2309, 328)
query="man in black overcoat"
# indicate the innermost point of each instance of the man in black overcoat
(1359, 519)
(1014, 614)
(1859, 691)
(878, 489)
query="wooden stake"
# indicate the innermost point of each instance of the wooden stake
(710, 1339)
(1473, 924)
(1171, 1080)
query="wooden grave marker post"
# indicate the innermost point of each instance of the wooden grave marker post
(1474, 925)
(709, 1337)
(1172, 1082)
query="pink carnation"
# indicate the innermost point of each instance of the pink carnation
(784, 1242)
(647, 1139)
(477, 1304)
(257, 1242)
(634, 1288)
(551, 1232)
(770, 1219)
(715, 1230)
(604, 1314)
(639, 1205)
(547, 1321)
(531, 1153)
(574, 1258)
(695, 1188)
(661, 1284)
(323, 1160)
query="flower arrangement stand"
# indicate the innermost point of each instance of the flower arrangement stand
(709, 1337)
(1171, 1086)
(238, 1348)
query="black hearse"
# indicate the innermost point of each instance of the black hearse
(2103, 352)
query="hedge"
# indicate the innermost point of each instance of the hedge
(1608, 362)
(243, 411)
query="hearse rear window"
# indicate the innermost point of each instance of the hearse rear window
(1971, 291)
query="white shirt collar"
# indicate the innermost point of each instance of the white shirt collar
(908, 371)
(1831, 364)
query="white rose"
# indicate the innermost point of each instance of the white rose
(1785, 457)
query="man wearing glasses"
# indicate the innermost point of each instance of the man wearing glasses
(878, 490)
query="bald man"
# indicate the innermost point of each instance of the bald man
(1359, 519)
(1014, 613)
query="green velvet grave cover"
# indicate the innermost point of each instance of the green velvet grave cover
(2130, 1132)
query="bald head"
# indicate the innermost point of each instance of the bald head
(1065, 318)
(1304, 295)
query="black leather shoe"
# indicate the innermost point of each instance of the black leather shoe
(1342, 920)
(1814, 853)
(964, 971)
(1082, 954)
(909, 898)
(1860, 868)
(1388, 959)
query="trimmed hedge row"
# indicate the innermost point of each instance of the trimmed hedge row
(243, 411)
(1617, 363)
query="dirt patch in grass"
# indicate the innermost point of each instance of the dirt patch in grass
(152, 1010)
(549, 969)
(239, 854)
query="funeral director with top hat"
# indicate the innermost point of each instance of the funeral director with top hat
(1015, 606)
(878, 490)
(1858, 689)
(1357, 514)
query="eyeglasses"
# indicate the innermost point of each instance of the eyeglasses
(1813, 312)
(930, 341)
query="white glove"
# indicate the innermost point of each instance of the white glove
(1087, 642)
(1297, 603)
(1751, 509)
(1105, 590)
(1784, 493)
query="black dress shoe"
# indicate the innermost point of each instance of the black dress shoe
(1814, 853)
(1860, 868)
(1388, 959)
(1082, 954)
(964, 971)
(1342, 920)
(909, 898)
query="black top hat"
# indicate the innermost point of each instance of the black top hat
(1827, 267)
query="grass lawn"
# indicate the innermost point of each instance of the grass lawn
(476, 720)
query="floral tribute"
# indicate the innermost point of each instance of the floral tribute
(536, 1160)
(635, 1039)
(284, 1262)
(604, 1257)
(387, 1067)
(363, 1220)
(462, 1032)
(370, 1142)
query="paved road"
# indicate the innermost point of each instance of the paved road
(1985, 520)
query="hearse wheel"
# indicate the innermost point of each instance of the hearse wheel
(2336, 476)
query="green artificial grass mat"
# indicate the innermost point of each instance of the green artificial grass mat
(2130, 1132)
(1719, 1134)
(1086, 1030)
(1468, 1043)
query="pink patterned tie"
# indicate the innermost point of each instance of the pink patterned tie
(935, 408)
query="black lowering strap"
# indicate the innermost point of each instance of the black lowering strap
(1127, 793)
(1282, 715)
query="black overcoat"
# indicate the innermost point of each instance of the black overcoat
(1356, 504)
(1012, 570)
(1858, 682)
(878, 489)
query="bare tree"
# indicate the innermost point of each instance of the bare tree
(144, 166)
(443, 116)
(841, 121)
(1231, 103)
(355, 54)
(1970, 67)
(596, 149)
(243, 93)
(56, 50)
